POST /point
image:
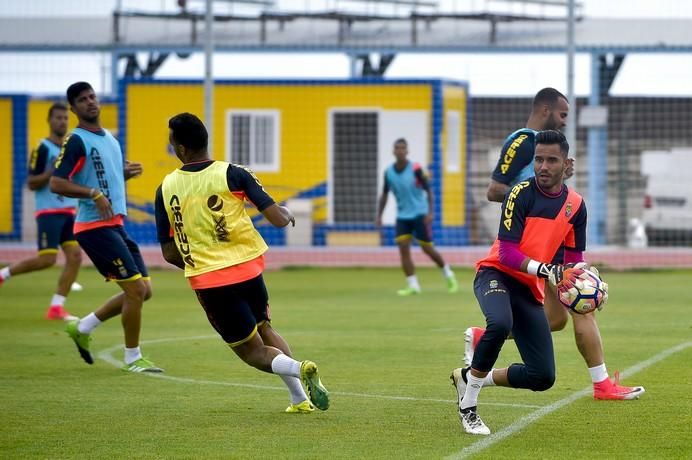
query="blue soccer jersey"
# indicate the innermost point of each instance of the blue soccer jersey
(410, 189)
(94, 160)
(43, 157)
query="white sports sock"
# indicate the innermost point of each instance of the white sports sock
(598, 373)
(88, 323)
(473, 388)
(413, 282)
(295, 389)
(284, 365)
(57, 300)
(447, 270)
(5, 273)
(132, 355)
(488, 380)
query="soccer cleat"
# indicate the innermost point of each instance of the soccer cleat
(611, 389)
(452, 285)
(303, 407)
(459, 383)
(81, 340)
(142, 365)
(472, 336)
(59, 312)
(472, 423)
(318, 394)
(408, 291)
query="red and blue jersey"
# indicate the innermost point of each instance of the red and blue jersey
(539, 223)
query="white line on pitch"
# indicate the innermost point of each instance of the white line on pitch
(525, 421)
(107, 356)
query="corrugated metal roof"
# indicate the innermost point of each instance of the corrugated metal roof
(320, 34)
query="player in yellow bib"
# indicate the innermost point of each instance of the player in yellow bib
(203, 228)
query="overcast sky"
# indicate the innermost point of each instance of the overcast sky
(655, 74)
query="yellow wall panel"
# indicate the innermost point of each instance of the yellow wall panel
(454, 183)
(149, 108)
(303, 108)
(37, 122)
(6, 169)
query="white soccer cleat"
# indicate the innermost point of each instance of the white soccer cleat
(472, 336)
(460, 385)
(76, 287)
(472, 423)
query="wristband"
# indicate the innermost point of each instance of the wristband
(97, 196)
(533, 267)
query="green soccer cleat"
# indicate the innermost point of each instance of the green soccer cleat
(452, 285)
(301, 408)
(81, 340)
(408, 291)
(142, 365)
(318, 394)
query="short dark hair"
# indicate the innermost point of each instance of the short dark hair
(189, 131)
(547, 96)
(552, 137)
(56, 106)
(75, 90)
(401, 140)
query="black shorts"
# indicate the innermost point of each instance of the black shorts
(416, 227)
(54, 230)
(113, 253)
(235, 310)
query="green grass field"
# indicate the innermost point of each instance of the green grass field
(386, 361)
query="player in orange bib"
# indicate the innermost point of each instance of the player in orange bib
(539, 215)
(550, 111)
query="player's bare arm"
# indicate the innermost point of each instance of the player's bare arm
(132, 169)
(279, 216)
(38, 181)
(382, 203)
(65, 187)
(171, 254)
(496, 191)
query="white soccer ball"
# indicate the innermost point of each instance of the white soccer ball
(585, 293)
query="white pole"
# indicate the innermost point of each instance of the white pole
(209, 74)
(571, 97)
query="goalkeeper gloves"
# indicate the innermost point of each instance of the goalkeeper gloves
(555, 273)
(552, 272)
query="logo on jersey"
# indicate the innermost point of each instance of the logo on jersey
(493, 284)
(179, 228)
(568, 209)
(100, 171)
(215, 203)
(511, 153)
(509, 204)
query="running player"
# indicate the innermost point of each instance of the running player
(91, 167)
(414, 202)
(204, 229)
(54, 218)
